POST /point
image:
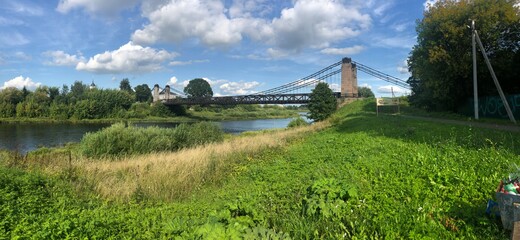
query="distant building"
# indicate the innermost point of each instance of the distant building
(92, 85)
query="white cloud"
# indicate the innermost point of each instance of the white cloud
(335, 87)
(20, 82)
(429, 3)
(365, 85)
(173, 81)
(60, 58)
(405, 41)
(316, 24)
(180, 20)
(343, 51)
(389, 88)
(382, 8)
(128, 58)
(22, 56)
(10, 21)
(400, 27)
(25, 9)
(238, 88)
(13, 39)
(182, 63)
(96, 6)
(403, 67)
(307, 24)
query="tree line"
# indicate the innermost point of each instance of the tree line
(441, 62)
(80, 101)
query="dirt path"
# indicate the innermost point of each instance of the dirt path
(509, 128)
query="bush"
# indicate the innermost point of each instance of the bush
(297, 122)
(119, 140)
(159, 110)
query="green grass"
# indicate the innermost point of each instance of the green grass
(382, 177)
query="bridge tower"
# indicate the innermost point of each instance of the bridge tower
(349, 88)
(155, 93)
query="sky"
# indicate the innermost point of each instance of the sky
(239, 46)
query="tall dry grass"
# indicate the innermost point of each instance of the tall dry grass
(169, 176)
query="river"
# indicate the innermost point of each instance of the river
(24, 137)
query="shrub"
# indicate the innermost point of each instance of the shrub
(159, 110)
(119, 140)
(297, 122)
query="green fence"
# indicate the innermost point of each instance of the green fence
(493, 107)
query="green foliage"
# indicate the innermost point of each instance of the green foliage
(7, 110)
(120, 140)
(440, 63)
(11, 95)
(327, 198)
(365, 92)
(59, 111)
(143, 93)
(124, 85)
(367, 177)
(322, 102)
(297, 122)
(139, 110)
(160, 110)
(198, 87)
(78, 89)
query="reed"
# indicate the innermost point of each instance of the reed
(168, 176)
(158, 176)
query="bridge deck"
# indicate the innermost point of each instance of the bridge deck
(298, 98)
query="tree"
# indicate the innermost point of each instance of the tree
(125, 86)
(54, 92)
(198, 87)
(143, 93)
(322, 102)
(365, 92)
(441, 62)
(11, 95)
(78, 89)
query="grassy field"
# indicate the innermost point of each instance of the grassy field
(356, 176)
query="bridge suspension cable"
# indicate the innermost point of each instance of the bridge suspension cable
(328, 72)
(303, 82)
(177, 92)
(381, 75)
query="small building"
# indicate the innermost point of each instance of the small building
(92, 85)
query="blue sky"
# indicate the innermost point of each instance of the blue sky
(239, 46)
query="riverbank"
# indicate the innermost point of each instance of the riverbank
(356, 176)
(192, 116)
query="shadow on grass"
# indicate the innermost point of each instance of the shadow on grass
(426, 132)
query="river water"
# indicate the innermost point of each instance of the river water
(25, 137)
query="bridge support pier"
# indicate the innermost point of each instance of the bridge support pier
(349, 88)
(156, 92)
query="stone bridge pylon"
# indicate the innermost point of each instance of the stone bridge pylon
(349, 86)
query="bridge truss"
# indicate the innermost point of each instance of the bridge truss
(296, 92)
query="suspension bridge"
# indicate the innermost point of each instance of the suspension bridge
(341, 75)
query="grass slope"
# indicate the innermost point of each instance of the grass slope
(364, 177)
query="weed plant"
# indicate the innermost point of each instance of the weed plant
(297, 122)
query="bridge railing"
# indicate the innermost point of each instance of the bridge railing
(297, 98)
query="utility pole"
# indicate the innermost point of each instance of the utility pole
(494, 76)
(475, 89)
